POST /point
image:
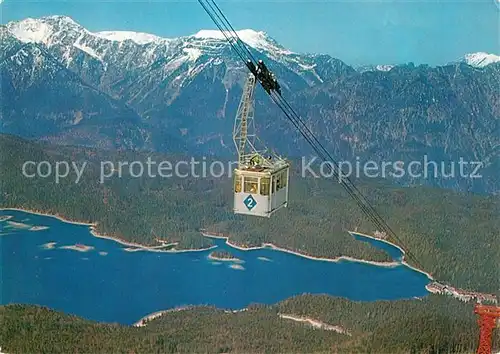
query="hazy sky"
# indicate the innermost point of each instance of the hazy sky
(357, 32)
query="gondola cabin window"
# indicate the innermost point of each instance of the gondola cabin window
(251, 184)
(264, 185)
(237, 184)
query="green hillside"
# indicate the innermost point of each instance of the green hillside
(432, 325)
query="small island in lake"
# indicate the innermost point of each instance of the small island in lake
(78, 247)
(17, 225)
(38, 228)
(237, 266)
(49, 245)
(223, 256)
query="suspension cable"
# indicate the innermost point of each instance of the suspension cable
(241, 49)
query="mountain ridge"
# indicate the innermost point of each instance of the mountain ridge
(37, 29)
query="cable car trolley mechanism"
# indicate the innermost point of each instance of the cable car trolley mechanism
(261, 178)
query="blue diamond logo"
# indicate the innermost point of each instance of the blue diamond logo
(249, 202)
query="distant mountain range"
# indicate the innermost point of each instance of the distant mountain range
(128, 90)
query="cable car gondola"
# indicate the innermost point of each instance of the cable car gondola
(260, 182)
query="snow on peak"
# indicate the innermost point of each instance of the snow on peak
(137, 37)
(61, 20)
(40, 30)
(481, 59)
(245, 35)
(43, 30)
(30, 30)
(255, 39)
(384, 67)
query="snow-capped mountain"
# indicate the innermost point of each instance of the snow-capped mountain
(152, 74)
(68, 39)
(478, 60)
(137, 90)
(481, 59)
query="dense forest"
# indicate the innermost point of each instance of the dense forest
(453, 235)
(431, 325)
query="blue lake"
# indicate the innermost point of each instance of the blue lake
(110, 284)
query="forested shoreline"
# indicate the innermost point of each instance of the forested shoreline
(450, 233)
